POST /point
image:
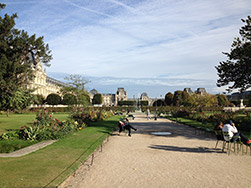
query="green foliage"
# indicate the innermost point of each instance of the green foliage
(85, 115)
(222, 100)
(53, 99)
(77, 88)
(17, 51)
(97, 99)
(180, 98)
(69, 99)
(169, 98)
(143, 103)
(20, 99)
(46, 127)
(159, 102)
(237, 70)
(39, 99)
(127, 103)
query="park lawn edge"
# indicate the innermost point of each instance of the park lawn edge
(209, 127)
(50, 166)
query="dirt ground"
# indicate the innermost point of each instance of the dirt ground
(186, 158)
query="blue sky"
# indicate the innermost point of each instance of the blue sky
(153, 46)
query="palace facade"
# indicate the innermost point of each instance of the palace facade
(43, 84)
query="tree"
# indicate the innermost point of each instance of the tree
(237, 69)
(159, 102)
(205, 100)
(18, 51)
(177, 98)
(69, 99)
(53, 99)
(97, 99)
(76, 86)
(39, 99)
(180, 98)
(169, 98)
(222, 100)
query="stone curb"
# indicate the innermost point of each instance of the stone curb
(27, 150)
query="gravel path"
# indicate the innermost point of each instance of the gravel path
(183, 159)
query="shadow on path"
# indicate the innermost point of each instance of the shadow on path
(185, 149)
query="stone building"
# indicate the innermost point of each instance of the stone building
(43, 84)
(200, 91)
(144, 97)
(188, 90)
(111, 99)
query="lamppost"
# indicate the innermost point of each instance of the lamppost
(155, 108)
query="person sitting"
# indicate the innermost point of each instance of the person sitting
(218, 130)
(125, 125)
(218, 126)
(234, 134)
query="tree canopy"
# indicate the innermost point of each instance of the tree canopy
(18, 53)
(97, 99)
(237, 69)
(76, 87)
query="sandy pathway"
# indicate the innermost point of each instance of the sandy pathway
(183, 159)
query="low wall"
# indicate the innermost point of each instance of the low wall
(234, 109)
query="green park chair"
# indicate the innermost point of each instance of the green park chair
(219, 137)
(237, 144)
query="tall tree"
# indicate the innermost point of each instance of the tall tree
(97, 99)
(169, 98)
(18, 52)
(237, 69)
(76, 86)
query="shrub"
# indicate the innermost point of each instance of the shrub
(53, 99)
(39, 99)
(97, 99)
(85, 115)
(46, 127)
(69, 99)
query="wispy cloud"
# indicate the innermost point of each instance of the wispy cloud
(136, 39)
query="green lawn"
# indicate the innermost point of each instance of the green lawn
(15, 121)
(203, 126)
(49, 166)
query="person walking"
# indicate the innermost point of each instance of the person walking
(148, 114)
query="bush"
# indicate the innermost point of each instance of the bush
(97, 99)
(85, 115)
(69, 99)
(46, 127)
(39, 99)
(53, 99)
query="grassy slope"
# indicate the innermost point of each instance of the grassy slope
(51, 165)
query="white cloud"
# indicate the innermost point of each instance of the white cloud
(136, 39)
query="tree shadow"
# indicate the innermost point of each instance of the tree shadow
(185, 149)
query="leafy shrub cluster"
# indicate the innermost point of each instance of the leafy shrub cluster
(243, 122)
(84, 115)
(44, 127)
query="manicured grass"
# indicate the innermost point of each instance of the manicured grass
(15, 121)
(203, 126)
(7, 146)
(49, 166)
